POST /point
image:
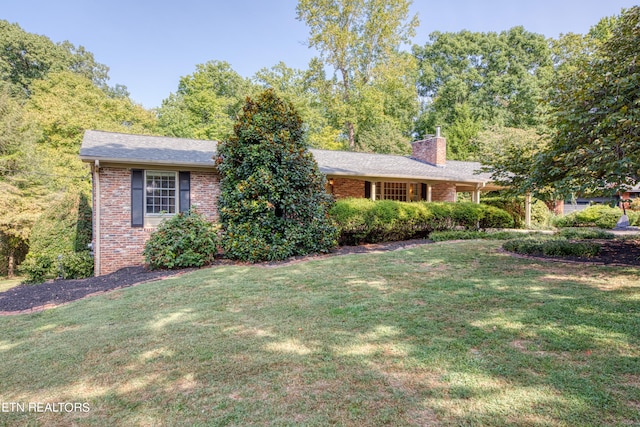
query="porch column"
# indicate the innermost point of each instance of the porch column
(527, 210)
(428, 192)
(373, 190)
(475, 196)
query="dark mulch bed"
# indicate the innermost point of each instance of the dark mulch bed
(612, 252)
(34, 297)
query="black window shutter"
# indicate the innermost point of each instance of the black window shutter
(424, 191)
(137, 198)
(185, 191)
(367, 189)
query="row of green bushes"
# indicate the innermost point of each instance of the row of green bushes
(367, 221)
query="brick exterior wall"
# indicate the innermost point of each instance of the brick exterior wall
(120, 244)
(431, 150)
(443, 192)
(344, 187)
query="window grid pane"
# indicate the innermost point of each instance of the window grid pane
(395, 191)
(161, 192)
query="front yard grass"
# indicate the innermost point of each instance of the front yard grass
(442, 334)
(6, 283)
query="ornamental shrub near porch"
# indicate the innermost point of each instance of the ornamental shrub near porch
(273, 203)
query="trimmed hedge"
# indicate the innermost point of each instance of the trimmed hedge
(441, 236)
(368, 221)
(600, 216)
(552, 247)
(585, 233)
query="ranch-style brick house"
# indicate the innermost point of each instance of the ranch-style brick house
(139, 180)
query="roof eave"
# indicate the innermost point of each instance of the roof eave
(91, 159)
(407, 177)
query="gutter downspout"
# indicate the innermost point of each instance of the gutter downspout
(96, 225)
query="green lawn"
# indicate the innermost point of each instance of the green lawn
(6, 284)
(444, 334)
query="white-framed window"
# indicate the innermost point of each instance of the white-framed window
(161, 190)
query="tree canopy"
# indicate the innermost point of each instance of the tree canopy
(595, 110)
(361, 40)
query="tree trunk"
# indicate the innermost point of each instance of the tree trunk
(10, 267)
(352, 136)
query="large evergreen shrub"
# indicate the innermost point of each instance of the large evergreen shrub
(273, 203)
(58, 245)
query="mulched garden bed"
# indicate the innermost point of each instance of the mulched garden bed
(31, 298)
(612, 252)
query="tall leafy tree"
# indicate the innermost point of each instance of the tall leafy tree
(360, 40)
(595, 110)
(27, 57)
(298, 87)
(206, 104)
(474, 80)
(272, 202)
(21, 181)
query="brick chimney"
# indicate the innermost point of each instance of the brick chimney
(432, 149)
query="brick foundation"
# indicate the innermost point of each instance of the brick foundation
(120, 244)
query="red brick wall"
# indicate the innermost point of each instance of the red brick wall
(120, 244)
(344, 187)
(443, 193)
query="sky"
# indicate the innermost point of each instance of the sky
(149, 45)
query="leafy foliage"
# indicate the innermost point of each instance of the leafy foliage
(184, 240)
(595, 108)
(206, 103)
(360, 40)
(272, 203)
(515, 206)
(368, 221)
(470, 81)
(441, 236)
(601, 216)
(27, 57)
(552, 247)
(585, 234)
(63, 230)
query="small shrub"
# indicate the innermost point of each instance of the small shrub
(584, 233)
(184, 240)
(76, 265)
(38, 268)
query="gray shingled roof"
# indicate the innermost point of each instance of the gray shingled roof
(348, 163)
(124, 148)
